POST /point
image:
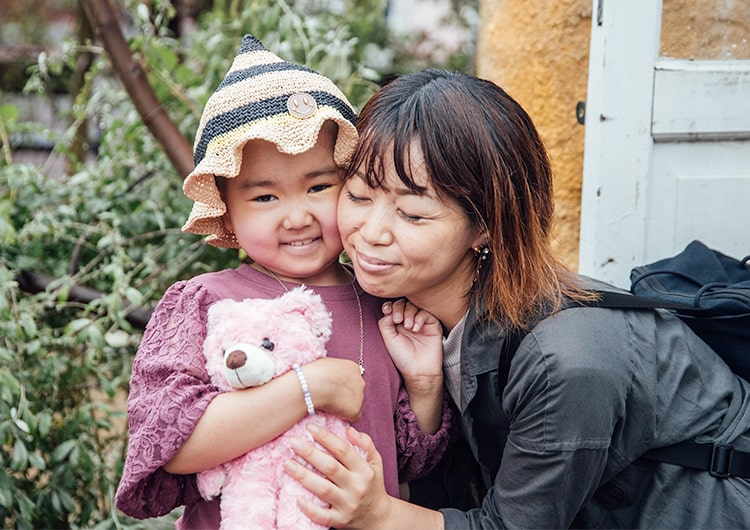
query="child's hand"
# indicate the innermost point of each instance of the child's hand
(336, 386)
(414, 339)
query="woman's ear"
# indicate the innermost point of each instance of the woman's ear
(481, 240)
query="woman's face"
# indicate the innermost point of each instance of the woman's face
(404, 244)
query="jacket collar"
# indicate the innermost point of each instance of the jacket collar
(481, 346)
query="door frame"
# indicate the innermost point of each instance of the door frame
(636, 102)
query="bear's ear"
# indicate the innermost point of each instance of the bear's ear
(310, 305)
(220, 311)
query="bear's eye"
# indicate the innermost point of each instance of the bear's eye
(267, 344)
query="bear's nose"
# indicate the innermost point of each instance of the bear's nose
(236, 359)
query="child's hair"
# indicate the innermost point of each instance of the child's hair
(261, 98)
(482, 150)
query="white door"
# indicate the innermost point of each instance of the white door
(667, 147)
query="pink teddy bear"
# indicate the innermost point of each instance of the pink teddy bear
(247, 344)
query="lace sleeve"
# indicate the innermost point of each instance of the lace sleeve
(418, 452)
(169, 391)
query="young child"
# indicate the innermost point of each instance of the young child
(268, 153)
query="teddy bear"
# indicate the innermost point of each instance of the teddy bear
(248, 343)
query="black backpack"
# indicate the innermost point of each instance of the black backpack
(710, 292)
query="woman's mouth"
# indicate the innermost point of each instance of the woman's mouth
(372, 265)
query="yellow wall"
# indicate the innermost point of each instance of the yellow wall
(538, 51)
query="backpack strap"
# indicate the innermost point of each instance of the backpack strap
(720, 460)
(617, 300)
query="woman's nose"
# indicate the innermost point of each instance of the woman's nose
(375, 228)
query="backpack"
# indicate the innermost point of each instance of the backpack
(710, 292)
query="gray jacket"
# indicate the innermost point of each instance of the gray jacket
(589, 391)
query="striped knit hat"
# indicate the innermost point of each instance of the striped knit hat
(261, 97)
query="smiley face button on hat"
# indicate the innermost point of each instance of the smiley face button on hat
(301, 105)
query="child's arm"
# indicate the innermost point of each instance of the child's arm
(414, 339)
(237, 422)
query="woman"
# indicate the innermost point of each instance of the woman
(449, 204)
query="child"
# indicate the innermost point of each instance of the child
(268, 153)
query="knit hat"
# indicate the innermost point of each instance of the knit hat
(261, 97)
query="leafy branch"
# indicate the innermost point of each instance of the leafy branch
(101, 16)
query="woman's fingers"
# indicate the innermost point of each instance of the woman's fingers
(340, 457)
(364, 443)
(344, 479)
(320, 514)
(320, 487)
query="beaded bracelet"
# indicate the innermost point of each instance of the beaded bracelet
(305, 389)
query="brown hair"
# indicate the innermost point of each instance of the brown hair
(482, 150)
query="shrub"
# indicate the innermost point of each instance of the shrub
(112, 224)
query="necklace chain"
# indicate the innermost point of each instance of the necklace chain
(361, 319)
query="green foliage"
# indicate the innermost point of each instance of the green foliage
(113, 224)
(65, 365)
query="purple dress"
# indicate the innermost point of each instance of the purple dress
(170, 389)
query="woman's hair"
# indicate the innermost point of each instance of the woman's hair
(481, 149)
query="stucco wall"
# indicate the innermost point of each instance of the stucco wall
(538, 51)
(709, 29)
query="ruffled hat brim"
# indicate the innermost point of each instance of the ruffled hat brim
(261, 98)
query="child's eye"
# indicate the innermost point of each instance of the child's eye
(319, 187)
(264, 198)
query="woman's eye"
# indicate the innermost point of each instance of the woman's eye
(411, 218)
(353, 198)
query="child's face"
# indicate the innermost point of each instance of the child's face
(282, 209)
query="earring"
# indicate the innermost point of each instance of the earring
(481, 252)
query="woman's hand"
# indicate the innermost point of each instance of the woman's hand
(336, 386)
(352, 485)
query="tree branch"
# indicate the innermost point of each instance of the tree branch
(36, 282)
(101, 16)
